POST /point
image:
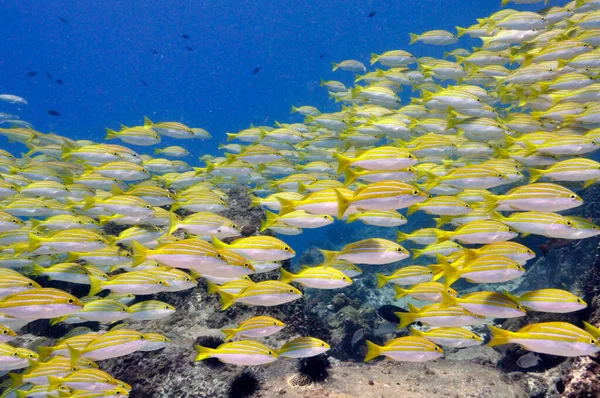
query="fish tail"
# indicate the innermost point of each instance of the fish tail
(148, 122)
(209, 166)
(74, 354)
(511, 296)
(406, 318)
(229, 333)
(227, 300)
(110, 134)
(173, 226)
(417, 253)
(140, 253)
(335, 67)
(270, 220)
(373, 351)
(416, 332)
(412, 209)
(329, 256)
(590, 182)
(44, 352)
(343, 203)
(343, 162)
(400, 292)
(374, 58)
(535, 174)
(37, 270)
(66, 152)
(231, 136)
(351, 218)
(349, 177)
(413, 38)
(203, 353)
(213, 288)
(591, 329)
(499, 336)
(287, 206)
(56, 321)
(16, 379)
(497, 216)
(88, 202)
(401, 236)
(451, 273)
(34, 242)
(286, 276)
(504, 2)
(442, 236)
(294, 109)
(95, 285)
(461, 31)
(255, 202)
(381, 280)
(448, 300)
(55, 382)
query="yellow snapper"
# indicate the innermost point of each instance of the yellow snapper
(549, 300)
(258, 326)
(317, 277)
(408, 348)
(243, 352)
(303, 347)
(450, 337)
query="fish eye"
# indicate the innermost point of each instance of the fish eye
(99, 239)
(160, 282)
(399, 249)
(70, 301)
(500, 175)
(510, 229)
(166, 340)
(592, 341)
(410, 156)
(467, 205)
(115, 180)
(287, 249)
(430, 272)
(148, 207)
(436, 349)
(579, 300)
(246, 265)
(415, 192)
(219, 255)
(142, 337)
(166, 307)
(473, 337)
(187, 279)
(4, 331)
(74, 368)
(518, 307)
(291, 290)
(322, 344)
(14, 221)
(191, 131)
(80, 222)
(15, 354)
(270, 353)
(569, 223)
(478, 100)
(542, 19)
(274, 323)
(30, 284)
(572, 196)
(117, 392)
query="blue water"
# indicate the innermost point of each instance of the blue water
(104, 52)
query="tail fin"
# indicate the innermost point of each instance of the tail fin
(227, 300)
(343, 162)
(287, 206)
(229, 333)
(412, 209)
(349, 177)
(218, 243)
(110, 134)
(16, 379)
(74, 354)
(381, 280)
(417, 253)
(535, 174)
(400, 292)
(34, 242)
(271, 219)
(413, 38)
(37, 270)
(343, 203)
(286, 276)
(406, 318)
(95, 285)
(44, 352)
(442, 235)
(213, 288)
(591, 329)
(55, 383)
(401, 236)
(203, 353)
(416, 332)
(451, 273)
(448, 300)
(373, 351)
(140, 254)
(173, 226)
(499, 336)
(329, 256)
(255, 202)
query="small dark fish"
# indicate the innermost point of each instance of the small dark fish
(183, 35)
(154, 51)
(49, 76)
(322, 56)
(554, 243)
(256, 70)
(387, 312)
(189, 48)
(143, 82)
(371, 14)
(59, 81)
(52, 112)
(32, 73)
(63, 20)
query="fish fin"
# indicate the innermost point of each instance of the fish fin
(343, 204)
(286, 276)
(115, 190)
(412, 308)
(44, 352)
(374, 58)
(401, 236)
(230, 158)
(218, 243)
(535, 174)
(448, 300)
(406, 318)
(16, 379)
(329, 255)
(110, 134)
(349, 177)
(54, 382)
(270, 220)
(213, 288)
(442, 236)
(209, 166)
(95, 285)
(88, 202)
(56, 321)
(343, 162)
(417, 253)
(227, 299)
(412, 209)
(591, 329)
(511, 296)
(74, 354)
(203, 353)
(287, 206)
(381, 280)
(499, 336)
(34, 242)
(590, 182)
(413, 38)
(373, 351)
(140, 252)
(66, 152)
(173, 225)
(229, 333)
(451, 273)
(255, 202)
(148, 122)
(416, 332)
(400, 292)
(37, 270)
(335, 67)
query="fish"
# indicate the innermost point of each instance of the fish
(553, 338)
(13, 99)
(258, 326)
(408, 348)
(450, 337)
(63, 20)
(256, 70)
(528, 360)
(60, 82)
(242, 352)
(184, 36)
(371, 14)
(317, 278)
(52, 112)
(268, 293)
(549, 300)
(31, 73)
(303, 347)
(436, 315)
(189, 48)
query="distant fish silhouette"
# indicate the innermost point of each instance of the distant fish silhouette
(256, 70)
(52, 112)
(32, 73)
(143, 82)
(322, 56)
(49, 76)
(59, 81)
(185, 36)
(189, 48)
(154, 51)
(61, 19)
(371, 14)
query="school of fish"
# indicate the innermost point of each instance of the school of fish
(487, 146)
